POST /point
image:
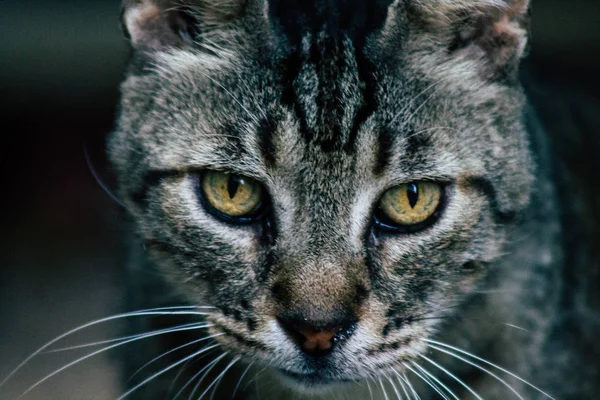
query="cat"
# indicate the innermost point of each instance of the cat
(342, 199)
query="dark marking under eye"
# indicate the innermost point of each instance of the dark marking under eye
(237, 315)
(386, 330)
(267, 266)
(251, 323)
(486, 188)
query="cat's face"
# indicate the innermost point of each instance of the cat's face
(331, 193)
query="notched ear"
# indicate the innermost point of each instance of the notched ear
(495, 31)
(154, 25)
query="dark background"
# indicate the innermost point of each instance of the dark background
(61, 252)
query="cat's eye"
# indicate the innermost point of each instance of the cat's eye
(410, 207)
(235, 197)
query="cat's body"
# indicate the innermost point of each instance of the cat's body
(328, 106)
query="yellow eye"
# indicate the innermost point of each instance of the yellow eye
(411, 204)
(232, 195)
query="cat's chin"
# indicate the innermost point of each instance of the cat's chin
(311, 384)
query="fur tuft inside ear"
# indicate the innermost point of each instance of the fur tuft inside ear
(494, 30)
(154, 25)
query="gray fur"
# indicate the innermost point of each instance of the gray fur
(368, 113)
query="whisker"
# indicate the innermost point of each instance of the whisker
(174, 350)
(490, 364)
(385, 395)
(435, 379)
(480, 368)
(95, 344)
(516, 327)
(411, 387)
(191, 380)
(165, 370)
(369, 387)
(440, 309)
(256, 375)
(450, 374)
(403, 388)
(432, 129)
(411, 103)
(210, 366)
(96, 176)
(240, 380)
(425, 379)
(219, 377)
(235, 99)
(148, 312)
(179, 373)
(103, 350)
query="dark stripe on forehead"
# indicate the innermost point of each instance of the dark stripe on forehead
(327, 55)
(354, 18)
(265, 133)
(330, 25)
(384, 151)
(366, 76)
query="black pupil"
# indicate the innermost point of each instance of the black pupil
(233, 184)
(412, 192)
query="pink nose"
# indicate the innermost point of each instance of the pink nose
(318, 340)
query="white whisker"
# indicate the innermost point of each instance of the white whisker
(426, 378)
(480, 368)
(490, 364)
(196, 375)
(174, 350)
(83, 346)
(235, 99)
(216, 381)
(210, 366)
(241, 379)
(179, 373)
(165, 370)
(450, 374)
(412, 101)
(369, 387)
(411, 387)
(516, 327)
(410, 104)
(385, 395)
(391, 381)
(153, 311)
(403, 388)
(103, 350)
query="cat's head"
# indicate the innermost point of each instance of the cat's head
(332, 176)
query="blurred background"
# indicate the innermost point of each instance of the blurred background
(61, 242)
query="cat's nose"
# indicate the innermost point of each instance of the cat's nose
(317, 338)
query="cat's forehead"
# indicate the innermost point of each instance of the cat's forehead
(325, 106)
(330, 92)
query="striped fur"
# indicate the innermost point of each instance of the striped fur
(328, 104)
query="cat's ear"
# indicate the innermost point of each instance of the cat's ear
(154, 25)
(494, 32)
